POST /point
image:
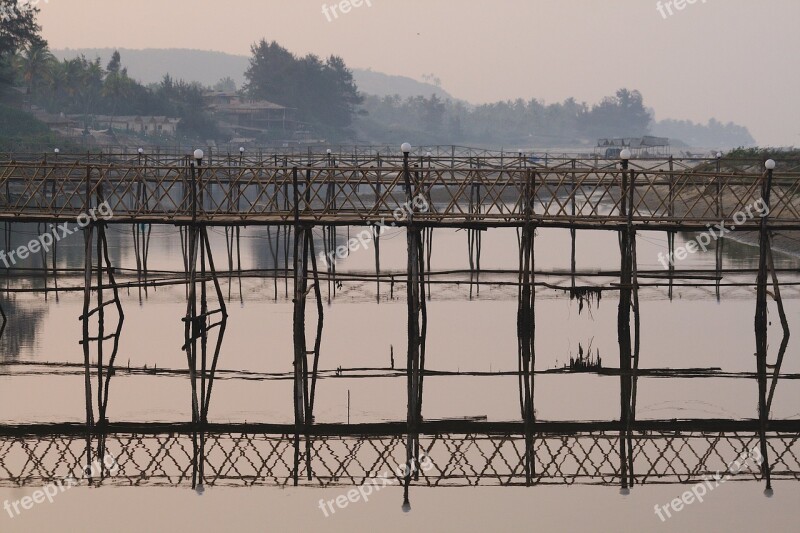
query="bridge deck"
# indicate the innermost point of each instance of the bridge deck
(438, 194)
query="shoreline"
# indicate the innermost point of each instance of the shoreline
(787, 242)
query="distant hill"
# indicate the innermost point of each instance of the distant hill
(379, 84)
(150, 66)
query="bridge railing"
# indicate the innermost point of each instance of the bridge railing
(369, 194)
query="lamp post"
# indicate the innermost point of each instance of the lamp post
(625, 156)
(406, 149)
(198, 160)
(140, 183)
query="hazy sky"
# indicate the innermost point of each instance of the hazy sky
(735, 60)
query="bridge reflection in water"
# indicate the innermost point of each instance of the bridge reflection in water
(494, 454)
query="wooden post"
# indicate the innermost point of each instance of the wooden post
(526, 328)
(376, 230)
(87, 368)
(761, 327)
(415, 301)
(572, 230)
(624, 324)
(300, 281)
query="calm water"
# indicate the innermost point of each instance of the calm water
(476, 335)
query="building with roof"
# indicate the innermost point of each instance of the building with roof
(639, 146)
(146, 125)
(246, 117)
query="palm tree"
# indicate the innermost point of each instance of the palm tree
(35, 65)
(116, 88)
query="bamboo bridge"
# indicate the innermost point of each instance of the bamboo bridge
(421, 192)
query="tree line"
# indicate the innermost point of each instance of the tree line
(526, 123)
(325, 100)
(84, 87)
(322, 93)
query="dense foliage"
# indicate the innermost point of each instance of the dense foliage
(714, 133)
(18, 28)
(20, 131)
(522, 123)
(783, 156)
(83, 87)
(323, 93)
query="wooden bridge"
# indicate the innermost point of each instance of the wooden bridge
(421, 193)
(476, 192)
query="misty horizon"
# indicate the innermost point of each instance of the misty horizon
(683, 75)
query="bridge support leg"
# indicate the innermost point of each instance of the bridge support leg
(776, 368)
(526, 334)
(234, 249)
(627, 244)
(141, 248)
(377, 230)
(198, 323)
(305, 376)
(417, 332)
(376, 237)
(718, 266)
(87, 363)
(104, 272)
(474, 241)
(636, 349)
(299, 335)
(671, 262)
(761, 330)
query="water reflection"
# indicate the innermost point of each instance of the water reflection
(246, 456)
(255, 261)
(23, 318)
